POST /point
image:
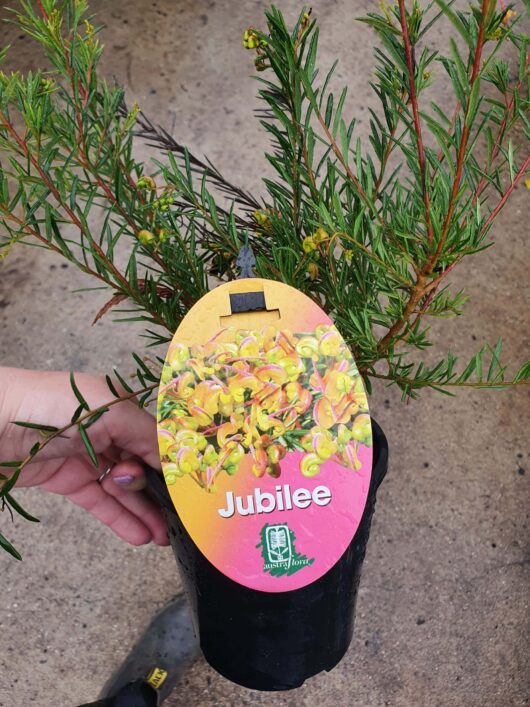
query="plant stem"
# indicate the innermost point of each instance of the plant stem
(416, 296)
(433, 260)
(493, 215)
(429, 384)
(411, 66)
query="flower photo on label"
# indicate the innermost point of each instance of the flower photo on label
(243, 400)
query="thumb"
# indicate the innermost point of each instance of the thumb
(133, 430)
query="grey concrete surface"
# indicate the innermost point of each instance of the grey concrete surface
(443, 612)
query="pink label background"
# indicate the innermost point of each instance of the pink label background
(322, 532)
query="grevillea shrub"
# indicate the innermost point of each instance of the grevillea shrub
(369, 230)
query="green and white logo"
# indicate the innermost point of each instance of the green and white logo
(278, 551)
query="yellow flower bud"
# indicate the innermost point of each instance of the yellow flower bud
(178, 353)
(171, 473)
(310, 465)
(210, 456)
(362, 428)
(145, 237)
(323, 446)
(343, 434)
(236, 454)
(249, 347)
(166, 443)
(226, 404)
(307, 347)
(146, 182)
(312, 270)
(320, 235)
(308, 244)
(276, 452)
(201, 415)
(292, 365)
(187, 460)
(329, 344)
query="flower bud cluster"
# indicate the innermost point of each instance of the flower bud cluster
(252, 41)
(146, 182)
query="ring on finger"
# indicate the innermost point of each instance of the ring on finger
(104, 475)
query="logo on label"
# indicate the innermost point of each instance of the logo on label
(278, 551)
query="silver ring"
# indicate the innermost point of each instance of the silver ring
(104, 475)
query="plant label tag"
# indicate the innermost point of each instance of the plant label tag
(264, 433)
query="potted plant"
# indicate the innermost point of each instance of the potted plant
(370, 233)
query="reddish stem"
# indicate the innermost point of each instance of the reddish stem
(463, 143)
(482, 183)
(517, 178)
(41, 8)
(409, 57)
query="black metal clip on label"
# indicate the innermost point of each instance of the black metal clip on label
(247, 301)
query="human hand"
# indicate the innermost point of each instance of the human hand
(122, 438)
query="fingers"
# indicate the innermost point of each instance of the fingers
(123, 484)
(77, 480)
(94, 499)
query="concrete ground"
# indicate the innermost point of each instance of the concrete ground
(442, 611)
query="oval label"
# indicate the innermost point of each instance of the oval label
(264, 434)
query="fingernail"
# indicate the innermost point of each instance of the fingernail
(123, 480)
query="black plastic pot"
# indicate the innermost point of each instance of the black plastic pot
(273, 641)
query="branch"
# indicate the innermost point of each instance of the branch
(493, 215)
(162, 139)
(412, 383)
(463, 142)
(420, 289)
(409, 57)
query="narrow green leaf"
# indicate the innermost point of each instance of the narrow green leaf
(77, 392)
(111, 386)
(329, 109)
(18, 508)
(10, 483)
(523, 374)
(8, 547)
(35, 426)
(78, 412)
(474, 101)
(88, 446)
(34, 449)
(123, 382)
(94, 418)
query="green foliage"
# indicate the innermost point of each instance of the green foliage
(371, 244)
